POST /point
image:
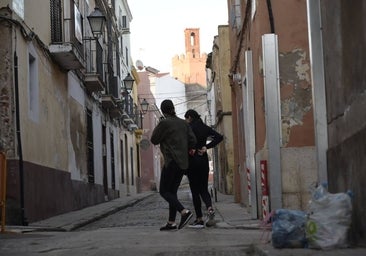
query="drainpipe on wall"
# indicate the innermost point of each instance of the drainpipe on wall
(270, 14)
(19, 139)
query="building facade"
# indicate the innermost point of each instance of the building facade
(297, 84)
(67, 123)
(219, 109)
(274, 141)
(337, 43)
(149, 154)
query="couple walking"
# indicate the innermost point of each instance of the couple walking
(184, 148)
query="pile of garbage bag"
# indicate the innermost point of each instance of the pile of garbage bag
(324, 226)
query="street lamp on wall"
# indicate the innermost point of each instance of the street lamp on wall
(128, 81)
(96, 21)
(144, 106)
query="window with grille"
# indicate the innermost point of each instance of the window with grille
(56, 20)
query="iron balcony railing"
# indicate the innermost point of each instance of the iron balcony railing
(93, 56)
(131, 109)
(66, 25)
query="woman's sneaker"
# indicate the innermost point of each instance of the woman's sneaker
(197, 224)
(168, 226)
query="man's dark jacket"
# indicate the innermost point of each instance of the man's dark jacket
(175, 138)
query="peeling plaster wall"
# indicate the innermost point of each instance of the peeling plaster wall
(298, 152)
(77, 129)
(298, 169)
(296, 95)
(298, 140)
(7, 108)
(53, 125)
(48, 131)
(77, 137)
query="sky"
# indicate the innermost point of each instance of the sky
(157, 28)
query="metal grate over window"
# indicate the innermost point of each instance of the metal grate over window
(56, 20)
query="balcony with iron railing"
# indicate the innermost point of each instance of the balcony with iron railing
(111, 94)
(93, 77)
(127, 107)
(132, 116)
(66, 45)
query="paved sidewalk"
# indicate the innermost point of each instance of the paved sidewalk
(229, 215)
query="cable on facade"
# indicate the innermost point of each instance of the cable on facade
(248, 13)
(27, 36)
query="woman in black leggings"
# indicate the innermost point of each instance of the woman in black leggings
(199, 166)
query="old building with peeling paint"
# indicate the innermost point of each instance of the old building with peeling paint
(274, 146)
(337, 40)
(69, 126)
(298, 90)
(220, 106)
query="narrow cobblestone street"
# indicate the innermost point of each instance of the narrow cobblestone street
(150, 212)
(134, 231)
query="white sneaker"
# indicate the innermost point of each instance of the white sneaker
(197, 224)
(210, 218)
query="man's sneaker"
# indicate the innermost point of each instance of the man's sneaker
(210, 218)
(197, 224)
(185, 218)
(168, 226)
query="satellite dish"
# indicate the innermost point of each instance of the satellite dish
(139, 65)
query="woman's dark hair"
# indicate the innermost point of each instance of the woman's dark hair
(192, 113)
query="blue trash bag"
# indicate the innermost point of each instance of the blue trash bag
(288, 229)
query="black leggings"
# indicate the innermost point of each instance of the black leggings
(170, 179)
(198, 182)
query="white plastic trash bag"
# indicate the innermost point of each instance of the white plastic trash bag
(329, 219)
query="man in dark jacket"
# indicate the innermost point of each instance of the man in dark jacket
(199, 167)
(176, 139)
